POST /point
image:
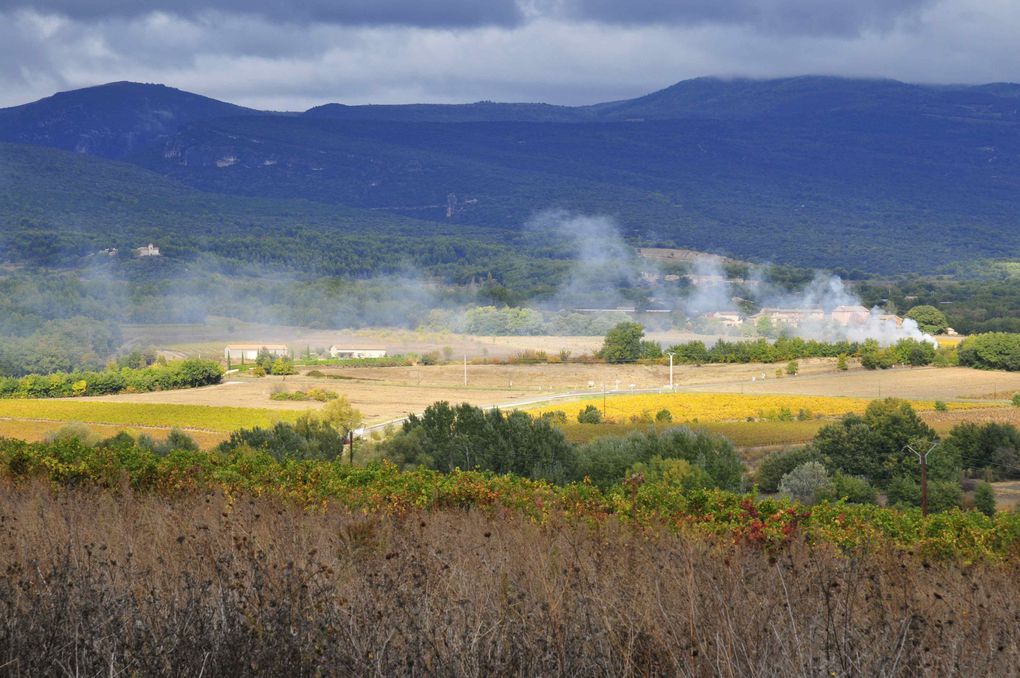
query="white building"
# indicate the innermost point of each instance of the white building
(149, 250)
(238, 353)
(342, 351)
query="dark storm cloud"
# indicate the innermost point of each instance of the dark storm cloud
(823, 17)
(424, 13)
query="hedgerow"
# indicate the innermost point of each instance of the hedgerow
(175, 375)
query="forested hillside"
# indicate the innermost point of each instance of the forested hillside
(810, 171)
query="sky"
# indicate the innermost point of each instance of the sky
(291, 55)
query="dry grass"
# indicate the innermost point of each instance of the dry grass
(207, 586)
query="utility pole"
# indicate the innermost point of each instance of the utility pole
(670, 371)
(923, 459)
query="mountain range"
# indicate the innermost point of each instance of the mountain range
(817, 171)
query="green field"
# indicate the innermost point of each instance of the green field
(144, 414)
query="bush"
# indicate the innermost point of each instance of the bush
(943, 495)
(555, 417)
(841, 363)
(941, 406)
(664, 416)
(807, 483)
(853, 489)
(984, 499)
(792, 368)
(775, 465)
(590, 415)
(1016, 400)
(606, 461)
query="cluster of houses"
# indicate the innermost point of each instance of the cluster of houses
(846, 316)
(240, 353)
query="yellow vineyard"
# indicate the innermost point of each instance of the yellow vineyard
(710, 407)
(143, 414)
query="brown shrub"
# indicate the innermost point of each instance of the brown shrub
(102, 582)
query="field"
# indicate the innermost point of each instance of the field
(387, 393)
(127, 414)
(720, 407)
(207, 340)
(36, 431)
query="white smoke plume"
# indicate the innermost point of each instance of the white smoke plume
(603, 266)
(711, 290)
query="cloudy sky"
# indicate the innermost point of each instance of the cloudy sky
(290, 55)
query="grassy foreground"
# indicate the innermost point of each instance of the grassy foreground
(122, 582)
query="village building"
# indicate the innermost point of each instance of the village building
(725, 318)
(343, 351)
(239, 353)
(149, 250)
(891, 318)
(792, 317)
(851, 315)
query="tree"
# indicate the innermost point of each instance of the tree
(445, 438)
(765, 327)
(841, 363)
(873, 445)
(282, 366)
(792, 368)
(929, 319)
(341, 416)
(991, 351)
(623, 343)
(777, 464)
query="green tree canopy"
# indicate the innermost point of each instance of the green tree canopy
(929, 319)
(623, 343)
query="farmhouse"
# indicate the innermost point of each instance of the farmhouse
(250, 352)
(341, 351)
(149, 250)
